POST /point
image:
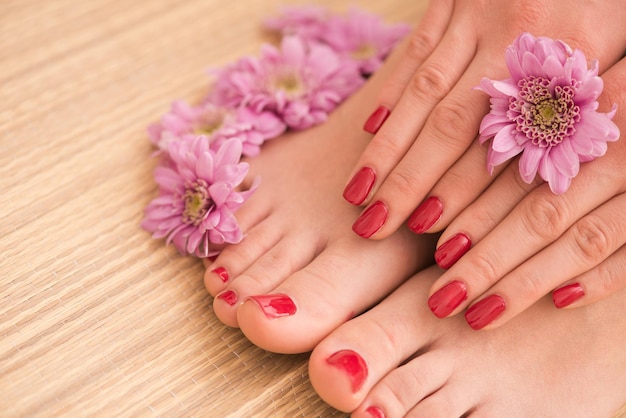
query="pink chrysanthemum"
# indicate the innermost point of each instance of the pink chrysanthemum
(302, 82)
(546, 111)
(308, 22)
(217, 124)
(198, 196)
(362, 37)
(359, 37)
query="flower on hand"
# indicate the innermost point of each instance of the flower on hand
(547, 112)
(198, 196)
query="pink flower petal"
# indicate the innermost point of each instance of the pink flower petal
(558, 182)
(504, 140)
(565, 159)
(529, 162)
(204, 167)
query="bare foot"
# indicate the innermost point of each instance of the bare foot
(301, 271)
(399, 360)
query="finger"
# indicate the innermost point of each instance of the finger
(447, 134)
(474, 220)
(429, 84)
(587, 244)
(537, 221)
(595, 284)
(415, 49)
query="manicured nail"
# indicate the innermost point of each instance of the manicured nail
(485, 312)
(566, 295)
(371, 220)
(275, 306)
(360, 186)
(221, 272)
(376, 119)
(450, 251)
(228, 296)
(351, 363)
(375, 412)
(426, 215)
(446, 299)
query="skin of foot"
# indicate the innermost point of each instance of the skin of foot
(398, 360)
(301, 271)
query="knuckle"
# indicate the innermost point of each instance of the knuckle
(453, 122)
(429, 81)
(592, 239)
(421, 43)
(532, 285)
(386, 147)
(485, 268)
(544, 217)
(403, 182)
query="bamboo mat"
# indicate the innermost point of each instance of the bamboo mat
(96, 318)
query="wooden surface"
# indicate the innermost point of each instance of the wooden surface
(96, 318)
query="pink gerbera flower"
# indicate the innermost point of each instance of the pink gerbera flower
(546, 111)
(363, 37)
(198, 196)
(217, 124)
(302, 82)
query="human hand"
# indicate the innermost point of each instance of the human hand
(426, 147)
(574, 242)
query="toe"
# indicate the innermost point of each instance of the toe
(341, 282)
(290, 254)
(235, 259)
(384, 338)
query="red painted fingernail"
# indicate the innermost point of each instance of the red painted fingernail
(566, 295)
(446, 299)
(351, 363)
(228, 296)
(275, 306)
(375, 412)
(426, 215)
(222, 273)
(450, 251)
(485, 312)
(360, 186)
(371, 220)
(376, 119)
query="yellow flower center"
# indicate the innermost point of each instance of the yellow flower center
(290, 83)
(209, 123)
(197, 202)
(364, 51)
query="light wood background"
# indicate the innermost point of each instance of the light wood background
(96, 318)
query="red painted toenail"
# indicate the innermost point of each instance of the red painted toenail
(275, 306)
(425, 215)
(566, 295)
(228, 296)
(222, 273)
(360, 186)
(375, 412)
(450, 251)
(351, 363)
(371, 220)
(376, 119)
(485, 311)
(446, 299)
